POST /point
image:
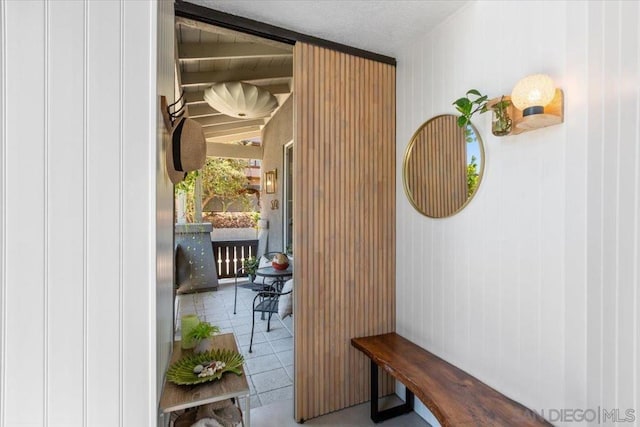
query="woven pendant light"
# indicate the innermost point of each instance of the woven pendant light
(241, 100)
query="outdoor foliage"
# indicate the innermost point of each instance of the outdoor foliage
(223, 178)
(472, 176)
(226, 179)
(188, 186)
(231, 219)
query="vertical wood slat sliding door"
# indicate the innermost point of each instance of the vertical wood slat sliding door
(344, 223)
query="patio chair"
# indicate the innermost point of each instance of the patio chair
(266, 302)
(258, 283)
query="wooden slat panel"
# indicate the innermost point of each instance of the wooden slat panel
(344, 236)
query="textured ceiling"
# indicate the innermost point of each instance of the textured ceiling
(374, 25)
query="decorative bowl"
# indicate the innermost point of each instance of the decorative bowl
(280, 262)
(181, 372)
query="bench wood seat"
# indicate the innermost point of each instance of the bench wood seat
(454, 397)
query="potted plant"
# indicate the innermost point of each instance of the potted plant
(201, 333)
(501, 121)
(250, 266)
(474, 102)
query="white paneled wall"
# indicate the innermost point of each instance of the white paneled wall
(164, 197)
(78, 195)
(533, 288)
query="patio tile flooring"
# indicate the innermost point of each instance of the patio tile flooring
(269, 367)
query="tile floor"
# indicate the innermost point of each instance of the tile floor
(269, 367)
(280, 414)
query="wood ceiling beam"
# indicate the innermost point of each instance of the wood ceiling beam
(234, 151)
(218, 51)
(235, 137)
(201, 110)
(217, 120)
(198, 96)
(204, 110)
(238, 35)
(241, 124)
(261, 73)
(229, 132)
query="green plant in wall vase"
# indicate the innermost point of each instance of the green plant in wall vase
(501, 121)
(474, 102)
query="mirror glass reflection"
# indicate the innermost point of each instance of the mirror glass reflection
(443, 166)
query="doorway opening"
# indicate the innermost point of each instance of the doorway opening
(208, 55)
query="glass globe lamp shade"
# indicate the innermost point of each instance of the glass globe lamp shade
(532, 93)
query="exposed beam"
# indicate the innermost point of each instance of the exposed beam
(199, 51)
(203, 110)
(235, 131)
(199, 110)
(235, 137)
(198, 96)
(238, 35)
(233, 126)
(261, 73)
(220, 119)
(234, 151)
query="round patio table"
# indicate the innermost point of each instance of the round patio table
(279, 276)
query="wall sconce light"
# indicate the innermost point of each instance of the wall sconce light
(537, 104)
(270, 179)
(532, 93)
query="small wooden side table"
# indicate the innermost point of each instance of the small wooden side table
(177, 397)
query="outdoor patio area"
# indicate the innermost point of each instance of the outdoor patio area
(270, 366)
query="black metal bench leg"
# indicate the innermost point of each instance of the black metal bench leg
(379, 416)
(374, 392)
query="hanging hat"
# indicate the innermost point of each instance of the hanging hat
(187, 151)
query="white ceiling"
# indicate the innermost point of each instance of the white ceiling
(375, 25)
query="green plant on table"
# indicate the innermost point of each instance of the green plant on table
(203, 330)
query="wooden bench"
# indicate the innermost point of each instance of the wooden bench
(454, 397)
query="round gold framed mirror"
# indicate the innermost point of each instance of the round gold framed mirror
(443, 166)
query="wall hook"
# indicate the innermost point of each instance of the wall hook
(170, 117)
